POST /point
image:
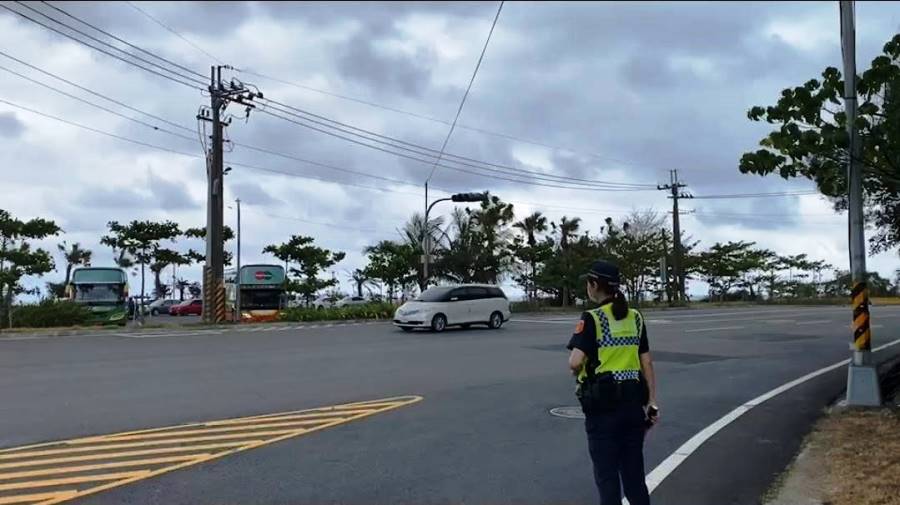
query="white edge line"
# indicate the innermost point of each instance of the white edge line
(668, 465)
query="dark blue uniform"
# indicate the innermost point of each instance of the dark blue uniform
(615, 435)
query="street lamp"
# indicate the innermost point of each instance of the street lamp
(458, 197)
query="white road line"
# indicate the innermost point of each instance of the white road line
(674, 460)
(545, 321)
(805, 323)
(697, 330)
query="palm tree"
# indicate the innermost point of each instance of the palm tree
(74, 256)
(360, 278)
(414, 233)
(531, 226)
(567, 229)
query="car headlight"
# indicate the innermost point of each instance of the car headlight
(117, 316)
(411, 312)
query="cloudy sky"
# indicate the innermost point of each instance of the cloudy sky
(619, 92)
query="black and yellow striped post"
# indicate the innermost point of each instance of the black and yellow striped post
(862, 330)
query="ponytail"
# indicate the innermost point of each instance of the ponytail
(619, 302)
(619, 305)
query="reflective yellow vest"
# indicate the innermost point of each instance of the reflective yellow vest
(618, 343)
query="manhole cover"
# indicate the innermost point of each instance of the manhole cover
(568, 412)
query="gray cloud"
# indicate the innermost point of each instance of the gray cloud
(169, 194)
(10, 125)
(361, 62)
(253, 194)
(105, 197)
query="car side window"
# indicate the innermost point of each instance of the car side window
(459, 294)
(476, 293)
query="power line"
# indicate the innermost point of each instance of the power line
(758, 195)
(172, 31)
(35, 21)
(87, 90)
(428, 162)
(448, 157)
(101, 107)
(317, 223)
(465, 95)
(95, 130)
(129, 44)
(95, 39)
(377, 105)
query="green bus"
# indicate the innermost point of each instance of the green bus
(261, 288)
(104, 291)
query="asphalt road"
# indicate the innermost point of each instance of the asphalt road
(481, 434)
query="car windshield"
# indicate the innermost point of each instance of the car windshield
(98, 292)
(436, 294)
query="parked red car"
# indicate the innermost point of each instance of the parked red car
(187, 307)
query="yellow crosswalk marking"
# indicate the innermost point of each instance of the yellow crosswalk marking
(70, 480)
(102, 466)
(33, 474)
(38, 497)
(126, 454)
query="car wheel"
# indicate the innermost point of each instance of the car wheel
(154, 312)
(496, 321)
(439, 323)
(407, 329)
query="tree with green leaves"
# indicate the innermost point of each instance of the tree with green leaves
(811, 140)
(724, 266)
(73, 256)
(414, 232)
(360, 279)
(19, 259)
(529, 251)
(140, 240)
(392, 263)
(636, 247)
(200, 233)
(310, 260)
(163, 258)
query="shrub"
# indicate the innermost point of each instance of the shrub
(368, 311)
(49, 313)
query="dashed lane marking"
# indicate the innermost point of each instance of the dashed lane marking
(719, 328)
(54, 472)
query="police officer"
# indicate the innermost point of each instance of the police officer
(610, 356)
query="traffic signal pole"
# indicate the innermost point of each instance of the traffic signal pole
(862, 377)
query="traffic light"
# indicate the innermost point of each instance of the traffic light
(470, 197)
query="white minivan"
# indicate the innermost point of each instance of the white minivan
(443, 306)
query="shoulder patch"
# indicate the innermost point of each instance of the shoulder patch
(580, 326)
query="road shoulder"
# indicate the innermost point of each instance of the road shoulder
(739, 464)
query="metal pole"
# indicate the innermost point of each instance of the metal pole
(676, 231)
(425, 242)
(237, 276)
(862, 377)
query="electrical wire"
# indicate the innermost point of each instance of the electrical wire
(129, 44)
(756, 195)
(95, 130)
(101, 107)
(249, 71)
(448, 157)
(429, 162)
(99, 95)
(170, 78)
(95, 39)
(465, 95)
(173, 31)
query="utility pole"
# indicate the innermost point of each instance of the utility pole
(237, 275)
(862, 377)
(425, 242)
(674, 187)
(220, 96)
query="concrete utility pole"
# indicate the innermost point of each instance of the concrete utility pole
(214, 269)
(237, 275)
(862, 377)
(677, 260)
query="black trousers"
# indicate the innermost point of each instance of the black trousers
(616, 444)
